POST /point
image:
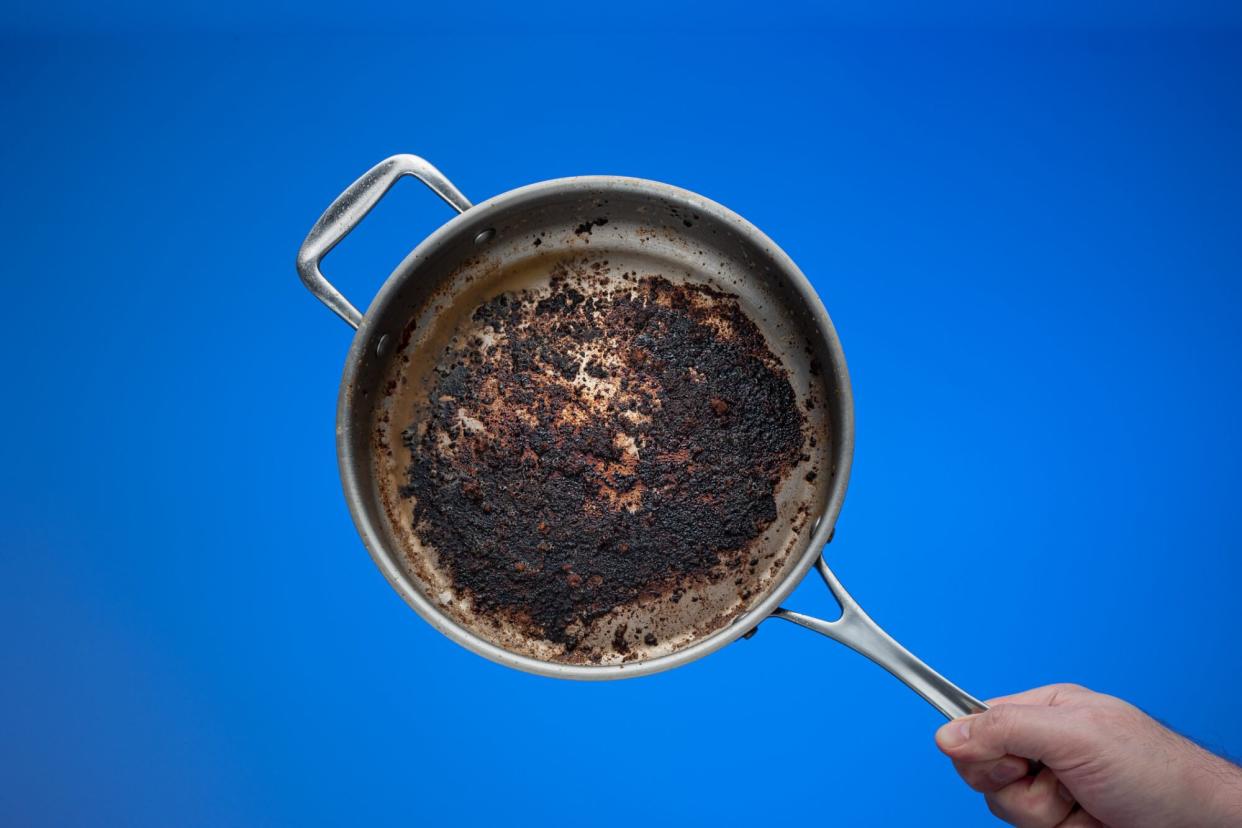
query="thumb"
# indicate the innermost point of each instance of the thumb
(1037, 732)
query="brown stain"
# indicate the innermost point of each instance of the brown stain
(599, 446)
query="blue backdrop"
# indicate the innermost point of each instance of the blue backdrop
(1026, 230)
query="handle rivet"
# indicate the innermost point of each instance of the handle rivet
(381, 347)
(485, 236)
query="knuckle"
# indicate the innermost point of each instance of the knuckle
(1026, 805)
(976, 775)
(1043, 807)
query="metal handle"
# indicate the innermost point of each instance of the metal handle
(350, 208)
(856, 630)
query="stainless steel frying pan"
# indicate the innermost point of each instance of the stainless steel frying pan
(650, 227)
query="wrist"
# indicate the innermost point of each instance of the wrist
(1215, 785)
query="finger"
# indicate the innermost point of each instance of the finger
(1080, 819)
(1031, 731)
(1049, 694)
(992, 774)
(1031, 803)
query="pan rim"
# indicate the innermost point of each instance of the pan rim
(356, 486)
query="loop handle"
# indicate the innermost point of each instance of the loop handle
(349, 208)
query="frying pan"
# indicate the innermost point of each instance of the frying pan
(648, 227)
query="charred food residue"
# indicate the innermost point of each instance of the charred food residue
(589, 444)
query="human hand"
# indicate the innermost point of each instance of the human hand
(1105, 763)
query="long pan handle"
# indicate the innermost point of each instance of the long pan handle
(856, 630)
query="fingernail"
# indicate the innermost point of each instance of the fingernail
(953, 734)
(1064, 793)
(1006, 771)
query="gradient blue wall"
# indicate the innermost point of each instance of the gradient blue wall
(1030, 241)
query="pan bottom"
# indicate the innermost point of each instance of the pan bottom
(598, 456)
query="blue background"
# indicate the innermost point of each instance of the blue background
(1026, 225)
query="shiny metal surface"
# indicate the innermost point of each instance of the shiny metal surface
(349, 208)
(775, 280)
(856, 630)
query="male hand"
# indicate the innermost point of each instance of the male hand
(1105, 763)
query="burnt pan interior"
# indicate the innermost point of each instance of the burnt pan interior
(593, 425)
